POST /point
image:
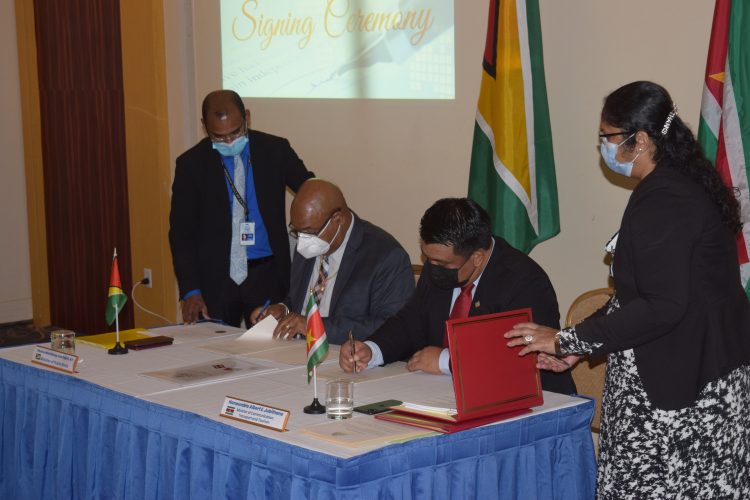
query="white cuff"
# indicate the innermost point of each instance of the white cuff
(377, 354)
(445, 361)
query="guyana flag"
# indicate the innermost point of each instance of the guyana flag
(116, 297)
(724, 129)
(512, 167)
(317, 342)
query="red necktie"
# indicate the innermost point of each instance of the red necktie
(461, 306)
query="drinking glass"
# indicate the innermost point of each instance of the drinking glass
(64, 341)
(339, 399)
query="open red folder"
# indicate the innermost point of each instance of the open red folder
(491, 382)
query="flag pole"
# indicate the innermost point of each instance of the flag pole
(315, 407)
(118, 348)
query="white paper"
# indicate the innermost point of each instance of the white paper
(263, 329)
(333, 371)
(435, 404)
(219, 369)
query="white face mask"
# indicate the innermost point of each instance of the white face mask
(311, 245)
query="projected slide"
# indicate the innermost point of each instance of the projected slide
(343, 49)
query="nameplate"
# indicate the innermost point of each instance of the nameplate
(54, 359)
(255, 413)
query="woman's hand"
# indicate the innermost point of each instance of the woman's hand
(555, 364)
(535, 338)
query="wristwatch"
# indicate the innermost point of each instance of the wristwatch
(558, 351)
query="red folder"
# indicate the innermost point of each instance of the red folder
(491, 381)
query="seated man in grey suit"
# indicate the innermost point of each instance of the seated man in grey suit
(359, 274)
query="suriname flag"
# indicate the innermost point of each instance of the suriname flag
(512, 165)
(317, 342)
(724, 129)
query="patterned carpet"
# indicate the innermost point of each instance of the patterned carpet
(23, 332)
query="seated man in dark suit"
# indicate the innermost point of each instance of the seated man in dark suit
(467, 272)
(359, 274)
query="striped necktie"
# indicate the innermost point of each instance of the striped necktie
(320, 284)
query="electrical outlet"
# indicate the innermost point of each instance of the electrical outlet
(147, 275)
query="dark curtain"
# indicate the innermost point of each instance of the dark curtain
(83, 144)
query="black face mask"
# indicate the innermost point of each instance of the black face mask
(444, 278)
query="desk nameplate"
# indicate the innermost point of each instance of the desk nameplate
(253, 413)
(54, 359)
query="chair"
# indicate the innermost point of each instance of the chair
(589, 374)
(417, 270)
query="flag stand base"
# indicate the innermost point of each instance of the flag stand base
(315, 407)
(118, 349)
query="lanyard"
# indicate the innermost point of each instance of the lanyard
(234, 188)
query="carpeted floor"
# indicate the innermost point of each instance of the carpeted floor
(23, 332)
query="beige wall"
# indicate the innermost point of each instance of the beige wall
(15, 276)
(394, 158)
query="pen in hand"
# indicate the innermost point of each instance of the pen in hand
(263, 309)
(351, 341)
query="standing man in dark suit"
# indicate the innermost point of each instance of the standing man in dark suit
(227, 224)
(467, 272)
(359, 274)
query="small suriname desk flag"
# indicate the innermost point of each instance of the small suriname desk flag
(317, 342)
(116, 298)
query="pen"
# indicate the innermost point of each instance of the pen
(351, 339)
(263, 309)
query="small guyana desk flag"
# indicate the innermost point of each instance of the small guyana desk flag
(317, 342)
(116, 298)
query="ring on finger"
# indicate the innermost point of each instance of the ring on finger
(528, 339)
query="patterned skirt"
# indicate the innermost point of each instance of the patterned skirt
(698, 452)
(701, 451)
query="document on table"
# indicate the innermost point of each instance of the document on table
(333, 371)
(256, 339)
(293, 352)
(364, 431)
(441, 405)
(198, 331)
(210, 371)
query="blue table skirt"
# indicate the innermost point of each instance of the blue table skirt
(66, 438)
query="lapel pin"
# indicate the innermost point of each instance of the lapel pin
(477, 304)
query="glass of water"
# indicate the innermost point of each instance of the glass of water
(64, 341)
(339, 399)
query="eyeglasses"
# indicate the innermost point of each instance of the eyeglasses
(614, 134)
(229, 137)
(294, 232)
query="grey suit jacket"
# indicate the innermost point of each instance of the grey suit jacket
(374, 281)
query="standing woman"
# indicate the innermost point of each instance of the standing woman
(676, 404)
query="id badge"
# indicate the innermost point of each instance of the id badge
(247, 234)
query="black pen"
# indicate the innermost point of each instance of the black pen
(351, 339)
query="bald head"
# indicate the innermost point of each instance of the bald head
(222, 102)
(316, 198)
(224, 113)
(316, 202)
